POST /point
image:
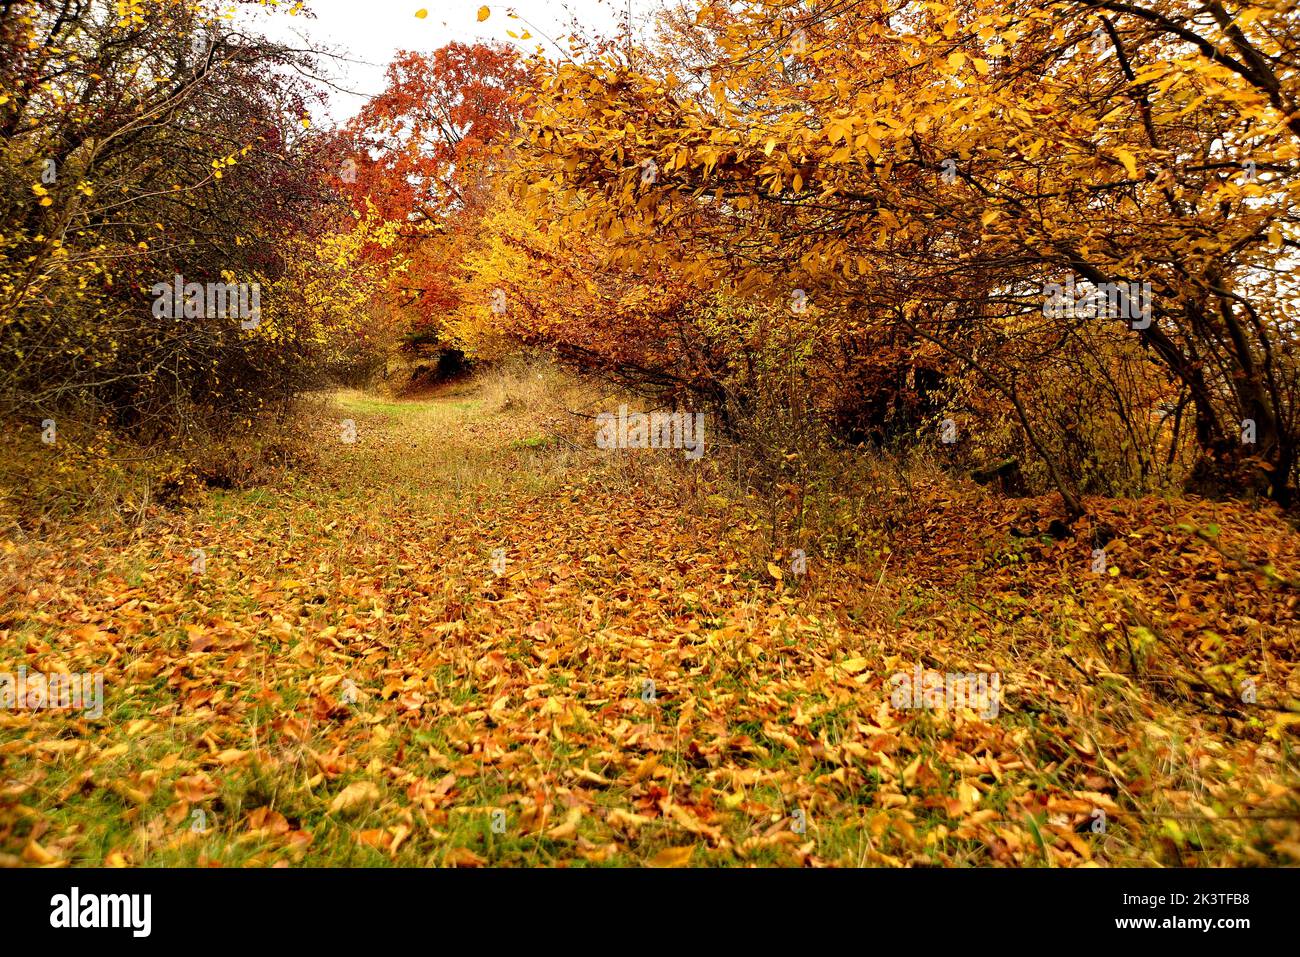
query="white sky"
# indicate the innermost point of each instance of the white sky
(372, 31)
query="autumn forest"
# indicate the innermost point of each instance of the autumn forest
(778, 433)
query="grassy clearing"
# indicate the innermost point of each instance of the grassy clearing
(349, 681)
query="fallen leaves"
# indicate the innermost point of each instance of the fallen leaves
(383, 709)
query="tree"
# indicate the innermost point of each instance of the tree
(142, 143)
(937, 167)
(425, 152)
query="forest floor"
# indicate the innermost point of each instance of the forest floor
(344, 677)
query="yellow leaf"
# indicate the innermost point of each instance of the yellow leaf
(421, 13)
(483, 14)
(33, 853)
(774, 571)
(563, 832)
(910, 772)
(1282, 722)
(673, 857)
(1130, 164)
(854, 665)
(354, 796)
(625, 819)
(230, 756)
(569, 829)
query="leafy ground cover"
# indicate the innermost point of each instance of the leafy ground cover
(354, 678)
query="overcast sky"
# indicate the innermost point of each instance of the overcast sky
(372, 31)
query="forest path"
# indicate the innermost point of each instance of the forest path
(353, 677)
